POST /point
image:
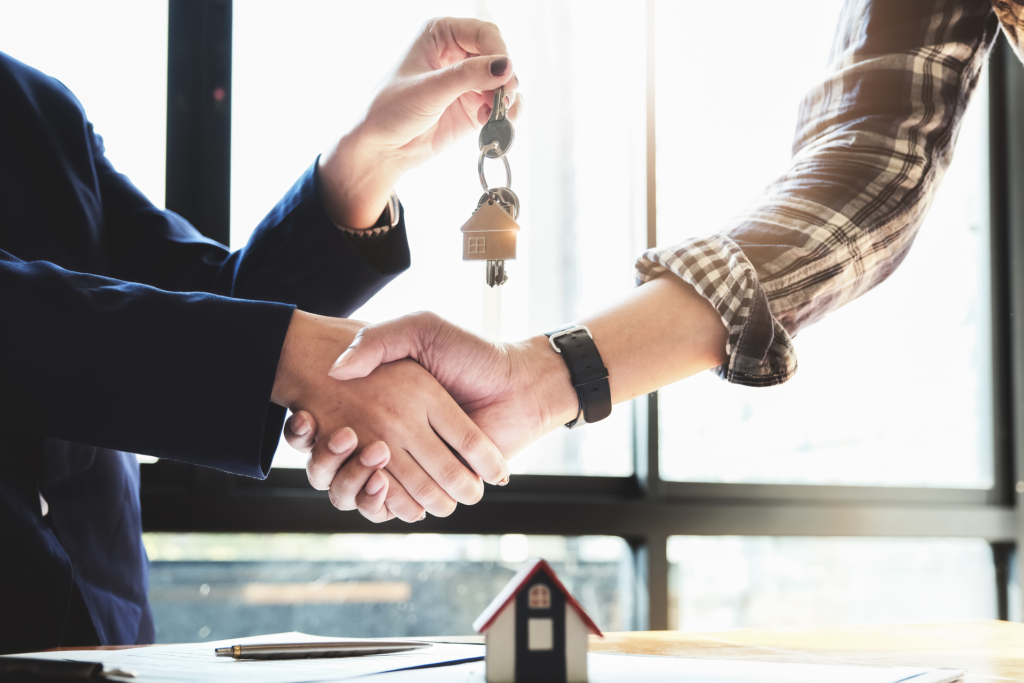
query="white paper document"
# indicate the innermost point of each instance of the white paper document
(607, 668)
(197, 661)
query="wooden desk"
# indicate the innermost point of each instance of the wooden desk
(990, 650)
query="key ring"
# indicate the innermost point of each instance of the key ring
(480, 167)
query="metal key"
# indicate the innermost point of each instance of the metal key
(504, 197)
(498, 128)
(490, 233)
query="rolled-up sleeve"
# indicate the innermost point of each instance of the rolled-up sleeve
(873, 141)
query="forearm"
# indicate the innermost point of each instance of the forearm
(357, 180)
(660, 333)
(873, 141)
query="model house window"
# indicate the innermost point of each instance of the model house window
(477, 245)
(540, 633)
(540, 597)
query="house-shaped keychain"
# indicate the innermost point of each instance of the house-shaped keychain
(535, 630)
(490, 235)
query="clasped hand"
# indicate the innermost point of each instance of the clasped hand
(512, 394)
(388, 454)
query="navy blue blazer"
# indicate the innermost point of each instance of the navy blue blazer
(123, 330)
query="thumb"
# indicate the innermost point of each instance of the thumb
(382, 343)
(446, 85)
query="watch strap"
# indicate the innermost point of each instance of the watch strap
(586, 371)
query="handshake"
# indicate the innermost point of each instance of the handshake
(383, 421)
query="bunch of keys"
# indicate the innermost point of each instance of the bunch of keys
(490, 233)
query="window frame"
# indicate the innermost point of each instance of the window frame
(643, 509)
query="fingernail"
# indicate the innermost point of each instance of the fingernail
(299, 425)
(342, 442)
(343, 359)
(503, 482)
(498, 66)
(373, 457)
(422, 516)
(374, 486)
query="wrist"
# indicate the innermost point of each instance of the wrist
(357, 178)
(552, 382)
(311, 345)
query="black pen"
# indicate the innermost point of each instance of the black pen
(343, 648)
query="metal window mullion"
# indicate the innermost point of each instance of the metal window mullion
(1005, 179)
(198, 184)
(178, 509)
(1000, 287)
(645, 409)
(1002, 64)
(650, 559)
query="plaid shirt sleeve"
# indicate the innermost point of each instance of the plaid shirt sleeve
(872, 143)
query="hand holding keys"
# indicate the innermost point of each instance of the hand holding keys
(490, 233)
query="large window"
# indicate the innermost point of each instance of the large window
(750, 582)
(868, 405)
(112, 54)
(213, 586)
(577, 168)
(887, 459)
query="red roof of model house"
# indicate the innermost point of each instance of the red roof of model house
(509, 592)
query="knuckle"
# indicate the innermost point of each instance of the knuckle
(363, 505)
(314, 472)
(446, 508)
(337, 499)
(363, 336)
(464, 487)
(375, 517)
(426, 493)
(474, 492)
(485, 459)
(472, 443)
(459, 71)
(402, 505)
(430, 25)
(424, 317)
(490, 27)
(428, 327)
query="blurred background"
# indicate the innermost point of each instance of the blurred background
(724, 97)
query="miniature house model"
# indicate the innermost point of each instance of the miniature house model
(535, 630)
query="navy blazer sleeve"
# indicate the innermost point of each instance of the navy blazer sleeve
(123, 327)
(296, 255)
(133, 368)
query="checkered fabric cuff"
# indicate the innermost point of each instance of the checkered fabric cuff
(761, 353)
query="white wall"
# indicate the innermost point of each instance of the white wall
(501, 647)
(576, 646)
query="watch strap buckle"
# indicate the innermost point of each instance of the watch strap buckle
(568, 330)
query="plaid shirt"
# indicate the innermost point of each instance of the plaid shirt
(873, 141)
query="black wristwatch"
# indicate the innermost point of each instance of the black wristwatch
(586, 369)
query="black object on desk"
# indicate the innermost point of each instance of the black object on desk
(27, 670)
